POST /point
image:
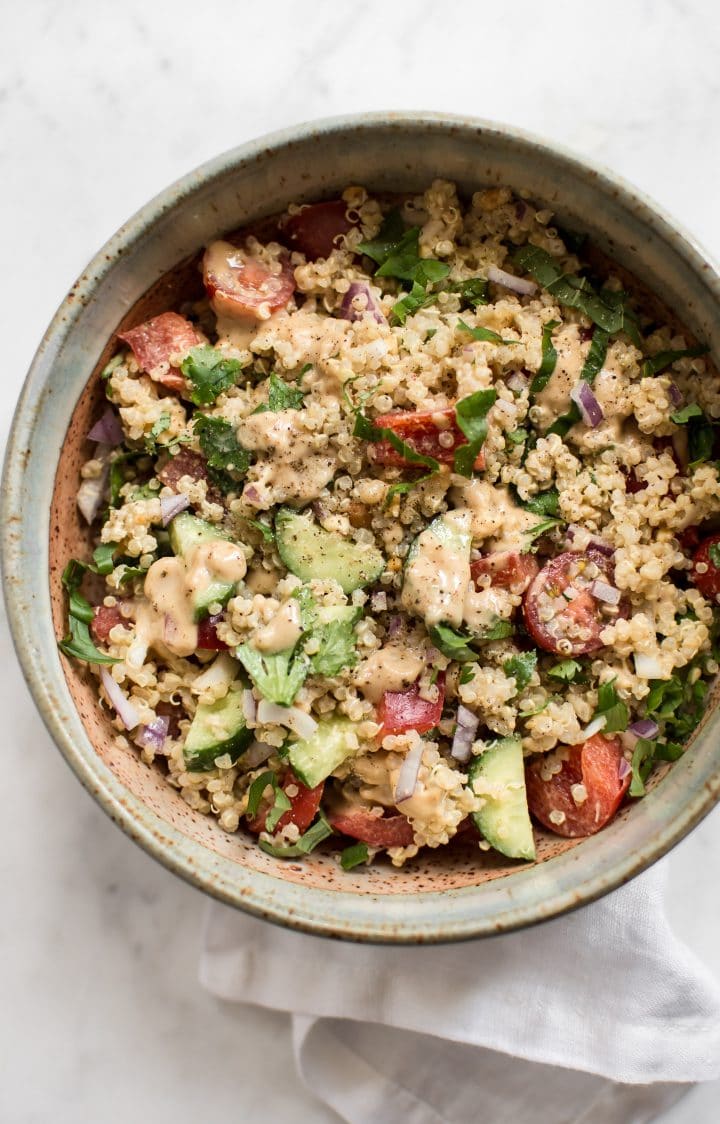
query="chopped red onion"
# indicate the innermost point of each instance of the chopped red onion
(509, 281)
(251, 495)
(108, 429)
(645, 728)
(394, 628)
(378, 601)
(593, 727)
(348, 309)
(124, 709)
(90, 496)
(154, 734)
(517, 382)
(586, 402)
(624, 769)
(647, 667)
(256, 753)
(602, 591)
(408, 775)
(289, 716)
(431, 655)
(676, 395)
(170, 506)
(249, 706)
(467, 724)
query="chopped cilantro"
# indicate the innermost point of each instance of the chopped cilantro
(664, 359)
(611, 707)
(319, 831)
(453, 644)
(267, 532)
(471, 414)
(256, 790)
(354, 855)
(396, 251)
(537, 531)
(682, 417)
(567, 670)
(565, 422)
(544, 503)
(159, 427)
(641, 765)
(227, 460)
(466, 675)
(281, 804)
(521, 668)
(472, 292)
(486, 335)
(549, 358)
(517, 436)
(278, 676)
(281, 396)
(337, 640)
(499, 630)
(429, 334)
(389, 235)
(209, 374)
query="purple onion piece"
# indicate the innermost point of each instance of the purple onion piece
(378, 601)
(348, 310)
(517, 382)
(586, 402)
(676, 395)
(124, 709)
(170, 506)
(394, 627)
(645, 728)
(519, 285)
(603, 591)
(408, 775)
(624, 769)
(467, 724)
(108, 429)
(154, 734)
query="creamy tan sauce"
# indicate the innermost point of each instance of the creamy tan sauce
(484, 607)
(282, 631)
(392, 668)
(223, 266)
(260, 580)
(166, 616)
(438, 577)
(554, 400)
(292, 470)
(495, 517)
(238, 332)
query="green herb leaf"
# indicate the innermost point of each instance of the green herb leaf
(641, 765)
(565, 422)
(227, 460)
(78, 642)
(281, 396)
(549, 358)
(209, 374)
(278, 676)
(281, 804)
(682, 417)
(256, 790)
(159, 427)
(112, 366)
(471, 414)
(472, 292)
(365, 429)
(537, 531)
(517, 436)
(117, 476)
(521, 668)
(319, 831)
(453, 644)
(337, 641)
(567, 670)
(611, 707)
(466, 675)
(595, 356)
(500, 630)
(267, 532)
(486, 335)
(389, 235)
(412, 302)
(544, 503)
(663, 359)
(354, 856)
(714, 554)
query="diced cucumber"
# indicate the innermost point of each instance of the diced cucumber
(504, 820)
(437, 570)
(217, 728)
(187, 533)
(309, 551)
(314, 759)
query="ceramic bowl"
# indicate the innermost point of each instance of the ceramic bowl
(141, 271)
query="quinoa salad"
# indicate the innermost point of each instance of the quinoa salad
(403, 532)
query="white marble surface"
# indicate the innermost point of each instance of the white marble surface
(101, 105)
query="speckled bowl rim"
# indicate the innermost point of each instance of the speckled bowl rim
(502, 905)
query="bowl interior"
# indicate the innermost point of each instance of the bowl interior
(148, 268)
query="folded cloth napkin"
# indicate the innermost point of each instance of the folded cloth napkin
(598, 1017)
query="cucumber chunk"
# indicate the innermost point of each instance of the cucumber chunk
(315, 758)
(187, 533)
(309, 552)
(217, 728)
(504, 820)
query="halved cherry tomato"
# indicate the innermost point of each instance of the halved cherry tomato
(507, 569)
(376, 831)
(207, 634)
(561, 613)
(689, 539)
(105, 619)
(314, 229)
(596, 765)
(156, 341)
(421, 431)
(241, 286)
(305, 804)
(405, 710)
(705, 574)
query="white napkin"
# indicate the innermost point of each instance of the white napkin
(599, 1017)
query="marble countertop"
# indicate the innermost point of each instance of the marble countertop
(102, 105)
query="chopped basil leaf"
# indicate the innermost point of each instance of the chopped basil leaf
(102, 558)
(319, 831)
(486, 335)
(412, 302)
(78, 642)
(595, 356)
(544, 503)
(256, 790)
(209, 374)
(500, 630)
(641, 765)
(389, 235)
(397, 254)
(227, 460)
(521, 668)
(111, 366)
(466, 675)
(365, 429)
(471, 414)
(700, 431)
(538, 530)
(453, 644)
(267, 532)
(658, 363)
(682, 417)
(566, 670)
(472, 292)
(517, 436)
(607, 308)
(714, 554)
(611, 707)
(549, 358)
(281, 396)
(354, 855)
(281, 804)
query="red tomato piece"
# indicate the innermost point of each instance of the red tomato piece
(207, 634)
(157, 341)
(421, 431)
(689, 539)
(376, 831)
(104, 619)
(507, 569)
(561, 613)
(594, 764)
(314, 229)
(405, 710)
(305, 804)
(241, 286)
(705, 574)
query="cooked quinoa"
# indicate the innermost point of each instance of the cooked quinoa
(405, 531)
